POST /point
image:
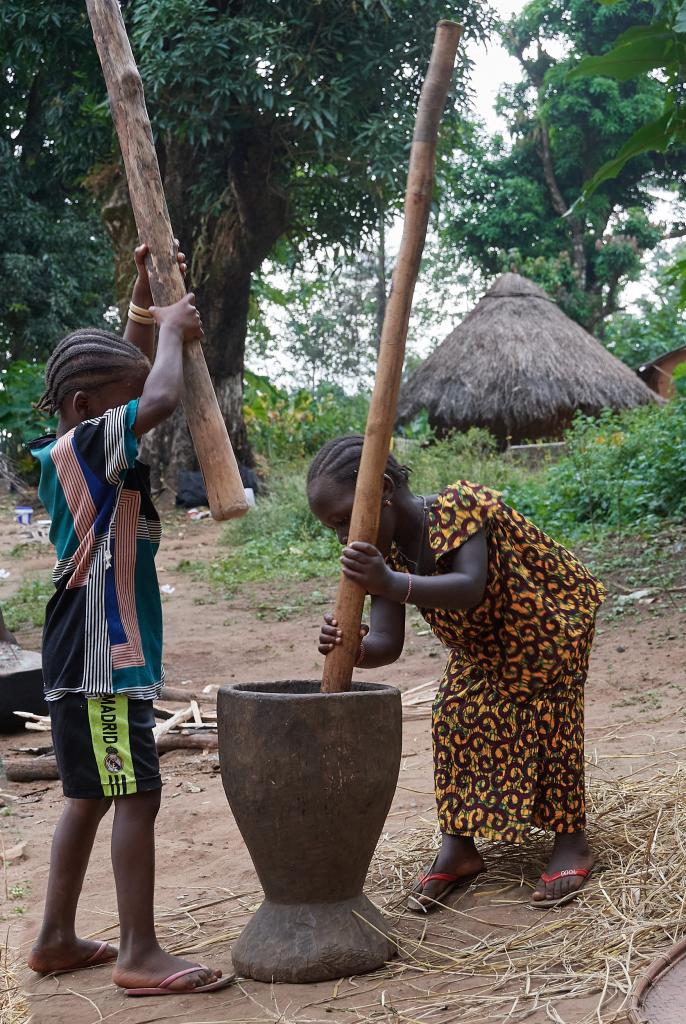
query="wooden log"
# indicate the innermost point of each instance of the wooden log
(183, 741)
(225, 490)
(364, 524)
(177, 694)
(34, 769)
(31, 769)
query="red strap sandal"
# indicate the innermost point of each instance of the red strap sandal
(452, 882)
(565, 873)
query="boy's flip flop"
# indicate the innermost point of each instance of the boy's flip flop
(568, 897)
(96, 959)
(452, 882)
(163, 988)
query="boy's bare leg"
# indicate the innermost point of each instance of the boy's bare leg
(142, 963)
(58, 947)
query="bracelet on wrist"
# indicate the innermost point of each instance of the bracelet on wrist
(146, 321)
(140, 310)
(409, 588)
(361, 654)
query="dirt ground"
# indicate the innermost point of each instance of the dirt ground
(206, 884)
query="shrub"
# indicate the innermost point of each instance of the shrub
(279, 538)
(290, 426)
(626, 471)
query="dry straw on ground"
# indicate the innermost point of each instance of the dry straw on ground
(467, 964)
(14, 1007)
(487, 958)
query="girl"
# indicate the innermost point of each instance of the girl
(517, 613)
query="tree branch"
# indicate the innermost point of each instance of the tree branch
(559, 204)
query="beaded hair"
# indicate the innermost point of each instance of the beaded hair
(86, 359)
(339, 459)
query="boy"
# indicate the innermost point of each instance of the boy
(102, 642)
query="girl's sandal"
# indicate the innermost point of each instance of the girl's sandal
(568, 897)
(453, 882)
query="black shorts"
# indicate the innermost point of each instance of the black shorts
(105, 745)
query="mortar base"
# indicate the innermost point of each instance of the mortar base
(310, 942)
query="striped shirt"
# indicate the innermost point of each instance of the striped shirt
(103, 625)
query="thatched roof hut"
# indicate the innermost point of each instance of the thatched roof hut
(520, 367)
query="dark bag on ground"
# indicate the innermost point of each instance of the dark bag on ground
(191, 490)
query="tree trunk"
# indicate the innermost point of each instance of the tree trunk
(380, 280)
(226, 242)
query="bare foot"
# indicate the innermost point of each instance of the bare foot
(571, 851)
(69, 955)
(152, 968)
(458, 856)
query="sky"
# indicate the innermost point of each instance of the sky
(493, 67)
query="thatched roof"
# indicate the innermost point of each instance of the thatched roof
(520, 367)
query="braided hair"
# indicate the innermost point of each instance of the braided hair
(339, 460)
(86, 359)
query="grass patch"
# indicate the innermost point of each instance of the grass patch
(28, 549)
(615, 497)
(277, 540)
(26, 609)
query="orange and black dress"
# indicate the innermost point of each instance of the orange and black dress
(508, 719)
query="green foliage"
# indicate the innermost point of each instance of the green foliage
(508, 197)
(470, 455)
(26, 609)
(623, 471)
(278, 539)
(329, 89)
(679, 378)
(55, 259)
(21, 385)
(639, 51)
(284, 426)
(659, 326)
(324, 323)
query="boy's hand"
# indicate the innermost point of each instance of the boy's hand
(141, 295)
(330, 634)
(182, 318)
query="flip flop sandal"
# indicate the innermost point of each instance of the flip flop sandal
(163, 988)
(568, 897)
(97, 959)
(453, 882)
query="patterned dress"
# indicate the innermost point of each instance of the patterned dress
(508, 719)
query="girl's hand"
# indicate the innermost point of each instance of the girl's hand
(181, 318)
(141, 295)
(330, 634)
(364, 564)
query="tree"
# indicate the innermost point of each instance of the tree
(646, 48)
(657, 327)
(54, 259)
(271, 120)
(513, 200)
(658, 48)
(320, 322)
